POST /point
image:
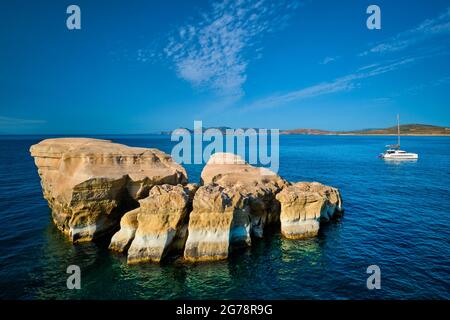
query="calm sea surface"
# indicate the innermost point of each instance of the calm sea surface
(397, 217)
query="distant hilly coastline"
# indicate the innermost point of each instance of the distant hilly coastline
(223, 130)
(405, 130)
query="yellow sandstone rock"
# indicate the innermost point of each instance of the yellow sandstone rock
(259, 185)
(90, 183)
(304, 205)
(220, 220)
(122, 239)
(162, 223)
(333, 197)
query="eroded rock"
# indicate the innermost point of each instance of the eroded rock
(304, 205)
(300, 212)
(162, 223)
(259, 185)
(90, 183)
(220, 220)
(122, 239)
(333, 197)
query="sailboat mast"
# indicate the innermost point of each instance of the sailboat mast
(398, 130)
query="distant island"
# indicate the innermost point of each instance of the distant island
(406, 130)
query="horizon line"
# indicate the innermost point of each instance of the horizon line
(164, 132)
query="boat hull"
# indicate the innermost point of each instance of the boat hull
(410, 156)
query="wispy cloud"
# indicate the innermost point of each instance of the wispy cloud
(417, 89)
(428, 29)
(328, 60)
(11, 122)
(214, 53)
(382, 100)
(340, 84)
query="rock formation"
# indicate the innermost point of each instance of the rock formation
(332, 195)
(162, 223)
(303, 205)
(220, 220)
(259, 185)
(123, 238)
(300, 212)
(94, 185)
(90, 183)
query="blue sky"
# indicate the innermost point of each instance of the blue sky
(144, 66)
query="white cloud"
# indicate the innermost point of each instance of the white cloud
(340, 84)
(428, 29)
(9, 122)
(327, 60)
(212, 53)
(417, 89)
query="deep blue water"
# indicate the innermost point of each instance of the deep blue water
(397, 217)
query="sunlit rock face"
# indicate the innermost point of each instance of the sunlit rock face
(122, 239)
(162, 223)
(259, 185)
(304, 205)
(333, 203)
(300, 212)
(219, 222)
(90, 183)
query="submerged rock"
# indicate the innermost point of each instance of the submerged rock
(259, 185)
(90, 183)
(220, 220)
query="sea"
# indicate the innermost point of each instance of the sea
(397, 217)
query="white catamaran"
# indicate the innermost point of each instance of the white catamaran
(394, 153)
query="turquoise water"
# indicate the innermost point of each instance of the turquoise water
(397, 217)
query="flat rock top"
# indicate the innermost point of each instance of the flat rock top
(83, 146)
(67, 162)
(228, 170)
(314, 187)
(298, 192)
